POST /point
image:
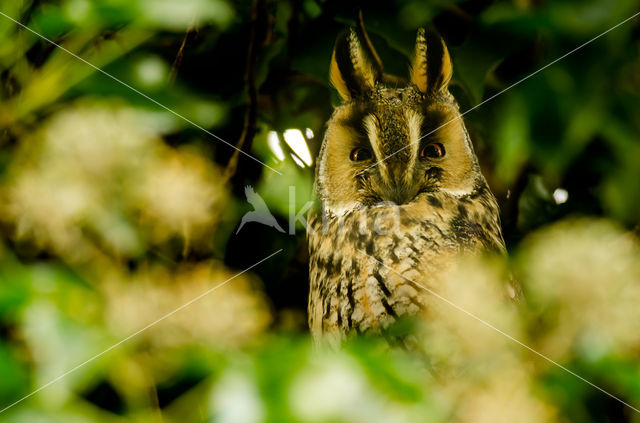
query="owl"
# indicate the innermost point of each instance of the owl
(399, 192)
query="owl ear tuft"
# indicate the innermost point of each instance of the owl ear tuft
(431, 68)
(351, 71)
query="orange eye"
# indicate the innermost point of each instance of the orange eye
(360, 154)
(433, 151)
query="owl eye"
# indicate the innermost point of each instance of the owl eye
(359, 154)
(433, 150)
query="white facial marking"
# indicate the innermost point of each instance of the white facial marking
(414, 122)
(458, 192)
(372, 132)
(342, 209)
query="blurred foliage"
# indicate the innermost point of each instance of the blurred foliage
(115, 211)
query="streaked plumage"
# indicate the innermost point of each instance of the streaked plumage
(385, 193)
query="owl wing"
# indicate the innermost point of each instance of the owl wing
(495, 242)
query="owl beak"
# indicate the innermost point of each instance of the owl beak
(399, 190)
(399, 194)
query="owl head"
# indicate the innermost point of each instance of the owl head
(393, 143)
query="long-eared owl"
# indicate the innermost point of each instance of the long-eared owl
(399, 191)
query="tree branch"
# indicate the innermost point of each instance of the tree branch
(377, 62)
(258, 35)
(178, 60)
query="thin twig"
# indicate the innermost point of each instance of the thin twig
(178, 60)
(375, 57)
(258, 22)
(368, 44)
